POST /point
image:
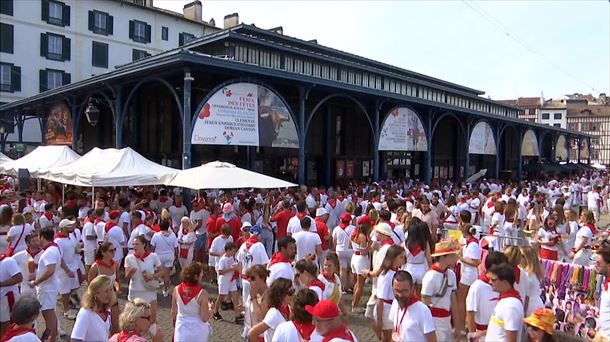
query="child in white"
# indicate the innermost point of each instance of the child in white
(227, 269)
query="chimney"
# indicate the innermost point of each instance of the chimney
(212, 22)
(231, 20)
(278, 29)
(192, 10)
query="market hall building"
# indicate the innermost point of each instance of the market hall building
(293, 109)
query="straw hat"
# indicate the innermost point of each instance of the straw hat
(543, 319)
(444, 248)
(384, 229)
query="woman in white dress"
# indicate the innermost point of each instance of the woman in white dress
(186, 242)
(535, 274)
(165, 244)
(190, 309)
(361, 260)
(417, 251)
(582, 247)
(93, 319)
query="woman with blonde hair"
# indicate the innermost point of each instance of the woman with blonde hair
(135, 322)
(513, 255)
(186, 242)
(104, 265)
(531, 263)
(93, 319)
(166, 216)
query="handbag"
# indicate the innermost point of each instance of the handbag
(11, 248)
(151, 285)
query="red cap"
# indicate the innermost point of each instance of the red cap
(114, 214)
(324, 309)
(345, 217)
(364, 220)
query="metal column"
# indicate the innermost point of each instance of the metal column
(578, 150)
(376, 139)
(118, 120)
(329, 142)
(520, 162)
(75, 126)
(20, 124)
(498, 154)
(186, 131)
(428, 158)
(302, 98)
(467, 144)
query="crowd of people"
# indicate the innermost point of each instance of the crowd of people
(446, 262)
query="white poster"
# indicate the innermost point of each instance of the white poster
(402, 131)
(561, 149)
(529, 147)
(584, 150)
(245, 114)
(482, 140)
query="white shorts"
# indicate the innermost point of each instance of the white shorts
(417, 271)
(167, 260)
(212, 261)
(148, 296)
(47, 300)
(67, 284)
(226, 285)
(7, 302)
(89, 257)
(345, 258)
(444, 331)
(360, 263)
(387, 323)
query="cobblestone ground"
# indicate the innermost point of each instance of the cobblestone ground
(226, 330)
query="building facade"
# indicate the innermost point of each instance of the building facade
(553, 113)
(590, 115)
(529, 107)
(46, 44)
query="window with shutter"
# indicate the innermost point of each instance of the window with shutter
(164, 33)
(54, 46)
(6, 7)
(5, 77)
(99, 54)
(16, 78)
(139, 31)
(138, 54)
(99, 22)
(54, 12)
(6, 38)
(55, 78)
(43, 80)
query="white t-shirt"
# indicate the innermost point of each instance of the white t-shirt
(89, 230)
(547, 236)
(89, 326)
(100, 230)
(117, 238)
(272, 319)
(306, 243)
(584, 233)
(68, 252)
(593, 199)
(202, 215)
(431, 287)
(481, 299)
(255, 255)
(125, 218)
(294, 225)
(604, 313)
(280, 270)
(50, 256)
(177, 214)
(218, 246)
(22, 261)
(413, 324)
(46, 223)
(471, 251)
(8, 269)
(163, 244)
(342, 237)
(287, 332)
(149, 265)
(27, 337)
(14, 234)
(224, 263)
(508, 315)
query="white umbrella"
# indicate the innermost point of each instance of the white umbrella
(598, 166)
(476, 176)
(221, 175)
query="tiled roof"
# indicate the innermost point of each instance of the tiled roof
(585, 110)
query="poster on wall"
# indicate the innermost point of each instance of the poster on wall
(340, 168)
(529, 146)
(59, 125)
(365, 168)
(482, 140)
(402, 130)
(561, 149)
(245, 114)
(584, 150)
(349, 169)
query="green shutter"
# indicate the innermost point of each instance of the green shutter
(91, 20)
(66, 15)
(43, 80)
(109, 24)
(16, 78)
(131, 29)
(65, 45)
(180, 39)
(6, 38)
(6, 7)
(147, 33)
(67, 78)
(45, 10)
(44, 45)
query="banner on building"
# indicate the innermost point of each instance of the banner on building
(402, 130)
(245, 114)
(482, 140)
(584, 149)
(561, 149)
(529, 146)
(59, 125)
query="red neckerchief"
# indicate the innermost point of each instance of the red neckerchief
(387, 241)
(61, 235)
(185, 231)
(301, 215)
(251, 241)
(48, 215)
(414, 299)
(318, 283)
(285, 311)
(415, 250)
(343, 225)
(177, 205)
(472, 239)
(109, 225)
(483, 278)
(29, 251)
(341, 198)
(163, 199)
(332, 202)
(188, 292)
(517, 274)
(276, 258)
(438, 269)
(490, 204)
(501, 212)
(461, 201)
(304, 329)
(341, 332)
(125, 336)
(101, 262)
(330, 278)
(592, 227)
(49, 245)
(355, 234)
(87, 220)
(511, 293)
(15, 330)
(606, 282)
(141, 257)
(97, 221)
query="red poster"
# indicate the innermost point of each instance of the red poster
(349, 169)
(340, 168)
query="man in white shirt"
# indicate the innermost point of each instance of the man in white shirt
(251, 252)
(199, 216)
(68, 279)
(594, 202)
(89, 239)
(307, 242)
(329, 323)
(294, 224)
(178, 211)
(46, 281)
(28, 271)
(125, 217)
(114, 234)
(506, 322)
(10, 277)
(47, 219)
(411, 319)
(602, 266)
(280, 265)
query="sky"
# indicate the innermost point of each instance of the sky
(508, 49)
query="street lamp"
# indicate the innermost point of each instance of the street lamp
(92, 113)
